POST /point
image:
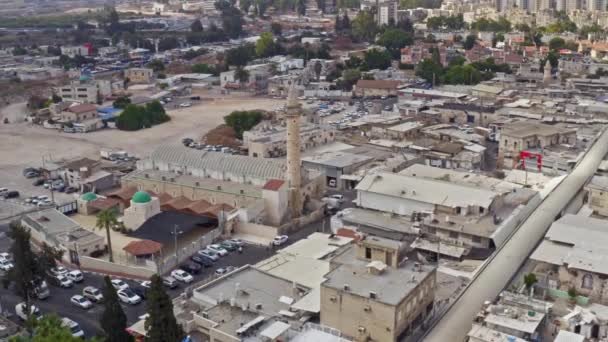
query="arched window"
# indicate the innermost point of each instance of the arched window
(587, 281)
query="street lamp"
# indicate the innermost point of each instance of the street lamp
(175, 233)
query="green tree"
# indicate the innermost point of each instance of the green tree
(376, 59)
(156, 65)
(276, 29)
(318, 67)
(106, 218)
(349, 78)
(19, 51)
(121, 102)
(49, 329)
(196, 26)
(301, 7)
(469, 42)
(557, 43)
(364, 26)
(459, 60)
(265, 46)
(530, 280)
(242, 75)
(161, 325)
(232, 18)
(430, 70)
(553, 58)
(394, 40)
(244, 5)
(242, 121)
(204, 69)
(113, 320)
(241, 55)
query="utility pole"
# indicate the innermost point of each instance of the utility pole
(175, 233)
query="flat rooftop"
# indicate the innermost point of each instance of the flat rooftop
(391, 286)
(523, 129)
(340, 159)
(378, 220)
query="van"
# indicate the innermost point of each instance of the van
(73, 326)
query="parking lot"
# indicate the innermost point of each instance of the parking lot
(59, 301)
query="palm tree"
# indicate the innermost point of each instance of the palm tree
(106, 219)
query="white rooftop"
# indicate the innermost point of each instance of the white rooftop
(485, 334)
(406, 126)
(578, 241)
(567, 336)
(426, 190)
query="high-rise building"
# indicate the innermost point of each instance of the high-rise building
(596, 5)
(387, 12)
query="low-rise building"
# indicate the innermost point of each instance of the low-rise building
(598, 195)
(140, 75)
(572, 256)
(79, 113)
(85, 90)
(268, 140)
(367, 300)
(369, 88)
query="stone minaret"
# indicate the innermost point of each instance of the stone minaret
(294, 177)
(547, 73)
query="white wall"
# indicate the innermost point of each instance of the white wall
(391, 204)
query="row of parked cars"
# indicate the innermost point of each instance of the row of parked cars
(21, 311)
(6, 193)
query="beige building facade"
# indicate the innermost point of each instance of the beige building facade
(598, 195)
(140, 75)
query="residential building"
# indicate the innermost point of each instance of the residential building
(514, 318)
(87, 175)
(73, 51)
(377, 88)
(387, 12)
(597, 189)
(140, 75)
(57, 230)
(85, 90)
(257, 81)
(367, 300)
(79, 113)
(268, 140)
(572, 256)
(526, 136)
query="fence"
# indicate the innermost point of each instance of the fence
(184, 252)
(103, 266)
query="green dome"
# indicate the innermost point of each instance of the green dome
(89, 196)
(84, 78)
(141, 197)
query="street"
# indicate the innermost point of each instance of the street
(59, 301)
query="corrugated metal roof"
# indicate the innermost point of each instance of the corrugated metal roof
(220, 162)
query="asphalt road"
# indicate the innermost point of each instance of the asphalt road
(59, 301)
(489, 282)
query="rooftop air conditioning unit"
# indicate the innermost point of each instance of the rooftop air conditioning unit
(346, 287)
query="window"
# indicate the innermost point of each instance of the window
(454, 235)
(481, 210)
(458, 210)
(587, 281)
(368, 253)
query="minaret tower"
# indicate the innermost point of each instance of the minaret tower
(547, 73)
(294, 162)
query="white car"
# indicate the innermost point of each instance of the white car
(209, 254)
(6, 265)
(81, 301)
(20, 308)
(182, 276)
(75, 276)
(92, 293)
(279, 240)
(237, 242)
(145, 283)
(217, 249)
(119, 284)
(185, 104)
(6, 256)
(129, 297)
(63, 281)
(73, 326)
(59, 270)
(220, 271)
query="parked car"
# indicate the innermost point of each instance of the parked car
(182, 276)
(145, 283)
(119, 285)
(32, 174)
(6, 265)
(92, 293)
(201, 260)
(140, 291)
(338, 197)
(42, 290)
(75, 276)
(81, 302)
(38, 182)
(238, 242)
(63, 281)
(220, 271)
(6, 256)
(70, 190)
(59, 270)
(127, 296)
(229, 246)
(11, 194)
(209, 254)
(170, 282)
(185, 104)
(74, 327)
(20, 311)
(29, 169)
(230, 269)
(191, 268)
(279, 240)
(217, 249)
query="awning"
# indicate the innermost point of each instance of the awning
(311, 302)
(352, 178)
(441, 248)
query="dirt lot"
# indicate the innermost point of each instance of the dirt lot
(24, 144)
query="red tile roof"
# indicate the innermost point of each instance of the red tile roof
(104, 203)
(273, 184)
(82, 108)
(142, 247)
